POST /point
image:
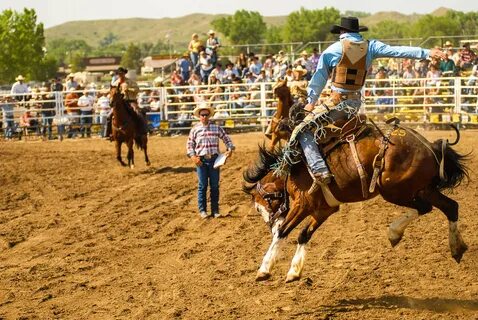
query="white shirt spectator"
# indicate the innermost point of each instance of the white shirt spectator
(85, 102)
(20, 87)
(103, 104)
(218, 73)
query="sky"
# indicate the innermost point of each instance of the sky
(55, 12)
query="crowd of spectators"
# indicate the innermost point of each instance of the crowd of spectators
(203, 63)
(425, 82)
(38, 112)
(203, 75)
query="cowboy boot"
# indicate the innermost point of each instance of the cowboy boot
(320, 179)
(109, 129)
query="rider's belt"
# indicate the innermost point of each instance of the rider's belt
(208, 156)
(346, 95)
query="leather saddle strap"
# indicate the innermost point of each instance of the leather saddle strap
(378, 164)
(378, 161)
(363, 175)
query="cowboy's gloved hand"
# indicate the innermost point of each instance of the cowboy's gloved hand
(437, 53)
(309, 107)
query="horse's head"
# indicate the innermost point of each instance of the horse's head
(280, 88)
(269, 196)
(267, 191)
(116, 97)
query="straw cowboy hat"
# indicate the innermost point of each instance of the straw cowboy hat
(211, 32)
(350, 24)
(300, 70)
(203, 106)
(304, 53)
(20, 78)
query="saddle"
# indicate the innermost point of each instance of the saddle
(347, 131)
(342, 130)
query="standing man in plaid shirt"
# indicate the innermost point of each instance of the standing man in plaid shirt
(203, 149)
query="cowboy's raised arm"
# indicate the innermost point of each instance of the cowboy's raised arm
(381, 50)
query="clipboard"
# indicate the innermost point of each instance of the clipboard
(220, 160)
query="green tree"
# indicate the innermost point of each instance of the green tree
(467, 22)
(21, 44)
(274, 34)
(108, 40)
(64, 50)
(242, 28)
(430, 25)
(115, 49)
(77, 62)
(160, 47)
(310, 25)
(132, 57)
(388, 29)
(47, 69)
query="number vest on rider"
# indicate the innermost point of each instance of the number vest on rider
(350, 72)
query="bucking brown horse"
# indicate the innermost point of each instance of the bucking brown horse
(127, 127)
(411, 173)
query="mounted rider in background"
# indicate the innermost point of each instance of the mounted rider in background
(130, 90)
(346, 62)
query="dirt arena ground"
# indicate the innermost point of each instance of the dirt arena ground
(83, 238)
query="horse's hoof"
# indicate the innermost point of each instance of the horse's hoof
(148, 163)
(291, 278)
(459, 254)
(262, 276)
(131, 166)
(394, 241)
(394, 237)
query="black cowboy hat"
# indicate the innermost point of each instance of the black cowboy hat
(350, 24)
(122, 70)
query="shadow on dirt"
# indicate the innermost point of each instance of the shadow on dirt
(169, 169)
(399, 302)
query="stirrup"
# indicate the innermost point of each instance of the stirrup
(320, 179)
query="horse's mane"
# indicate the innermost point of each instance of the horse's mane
(262, 166)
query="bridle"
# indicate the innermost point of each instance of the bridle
(282, 196)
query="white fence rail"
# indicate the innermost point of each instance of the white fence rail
(243, 106)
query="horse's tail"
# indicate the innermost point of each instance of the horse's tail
(454, 164)
(140, 141)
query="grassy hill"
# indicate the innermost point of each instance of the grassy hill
(179, 29)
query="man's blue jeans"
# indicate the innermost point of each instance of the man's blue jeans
(312, 153)
(207, 175)
(85, 122)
